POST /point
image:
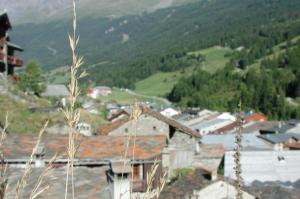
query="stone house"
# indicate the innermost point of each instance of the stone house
(93, 153)
(99, 91)
(182, 142)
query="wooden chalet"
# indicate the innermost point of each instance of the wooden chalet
(8, 61)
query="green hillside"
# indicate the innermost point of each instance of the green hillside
(276, 51)
(215, 58)
(124, 97)
(21, 120)
(161, 83)
(133, 47)
(270, 85)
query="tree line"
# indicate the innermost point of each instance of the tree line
(272, 88)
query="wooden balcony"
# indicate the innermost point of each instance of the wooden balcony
(14, 61)
(139, 186)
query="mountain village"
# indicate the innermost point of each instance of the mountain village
(193, 148)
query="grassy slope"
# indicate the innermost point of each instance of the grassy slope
(21, 120)
(59, 75)
(215, 58)
(161, 83)
(124, 97)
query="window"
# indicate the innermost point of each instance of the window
(136, 171)
(154, 128)
(281, 159)
(126, 130)
(121, 176)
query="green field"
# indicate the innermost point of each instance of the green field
(215, 58)
(123, 97)
(22, 121)
(161, 83)
(59, 75)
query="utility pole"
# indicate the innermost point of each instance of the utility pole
(237, 155)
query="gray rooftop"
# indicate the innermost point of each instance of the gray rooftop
(296, 130)
(283, 166)
(280, 127)
(249, 141)
(89, 183)
(279, 138)
(212, 123)
(254, 127)
(56, 90)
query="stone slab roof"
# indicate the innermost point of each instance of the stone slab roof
(97, 148)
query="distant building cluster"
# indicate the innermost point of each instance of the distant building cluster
(201, 140)
(99, 91)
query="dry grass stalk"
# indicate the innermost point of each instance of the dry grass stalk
(3, 169)
(3, 132)
(28, 168)
(151, 191)
(38, 189)
(135, 115)
(72, 114)
(150, 180)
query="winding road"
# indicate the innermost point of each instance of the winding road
(167, 102)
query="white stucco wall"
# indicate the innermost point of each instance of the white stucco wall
(121, 189)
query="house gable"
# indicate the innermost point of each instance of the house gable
(146, 125)
(149, 123)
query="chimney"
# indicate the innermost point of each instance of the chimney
(119, 176)
(39, 156)
(280, 125)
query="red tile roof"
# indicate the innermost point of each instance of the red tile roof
(256, 117)
(89, 148)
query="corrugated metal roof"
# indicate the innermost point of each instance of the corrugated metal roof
(296, 130)
(279, 138)
(212, 125)
(265, 165)
(249, 141)
(280, 127)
